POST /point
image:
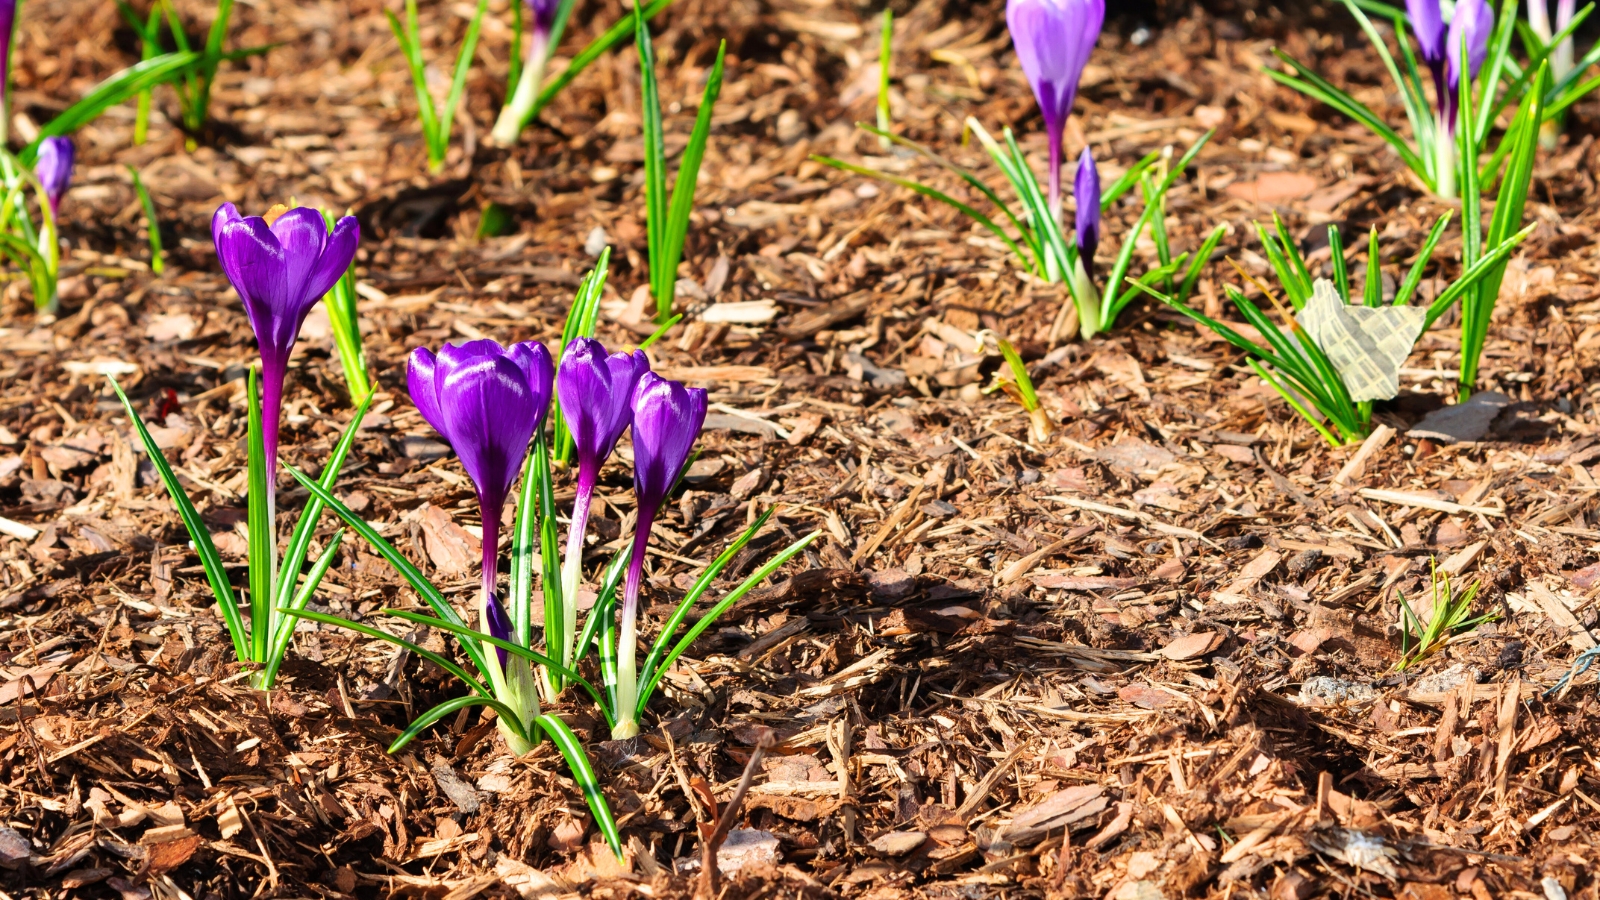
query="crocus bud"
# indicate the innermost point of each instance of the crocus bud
(1427, 22)
(1086, 191)
(53, 166)
(596, 391)
(1053, 40)
(280, 271)
(544, 14)
(487, 402)
(667, 418)
(1472, 25)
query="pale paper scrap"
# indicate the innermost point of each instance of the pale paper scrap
(1366, 344)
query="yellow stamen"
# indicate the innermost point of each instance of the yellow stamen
(272, 214)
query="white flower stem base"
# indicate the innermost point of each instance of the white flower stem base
(508, 127)
(1088, 301)
(1444, 163)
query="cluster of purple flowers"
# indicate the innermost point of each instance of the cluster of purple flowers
(489, 401)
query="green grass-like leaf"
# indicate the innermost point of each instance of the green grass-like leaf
(572, 751)
(151, 223)
(210, 560)
(401, 565)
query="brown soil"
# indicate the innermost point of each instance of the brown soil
(1069, 669)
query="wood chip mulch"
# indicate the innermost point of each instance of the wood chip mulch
(1152, 658)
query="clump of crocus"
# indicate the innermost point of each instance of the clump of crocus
(487, 402)
(1053, 41)
(596, 392)
(667, 418)
(516, 111)
(1454, 51)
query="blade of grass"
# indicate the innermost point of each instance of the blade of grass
(653, 677)
(151, 222)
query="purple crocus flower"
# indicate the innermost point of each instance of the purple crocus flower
(1086, 191)
(488, 402)
(596, 393)
(1053, 40)
(53, 166)
(280, 270)
(1472, 24)
(667, 418)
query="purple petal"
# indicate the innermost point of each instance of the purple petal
(1053, 41)
(667, 418)
(544, 13)
(1473, 22)
(252, 259)
(337, 253)
(1565, 10)
(596, 391)
(488, 411)
(424, 389)
(302, 233)
(533, 358)
(1428, 23)
(498, 623)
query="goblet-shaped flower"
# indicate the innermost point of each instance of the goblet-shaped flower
(1053, 40)
(487, 401)
(280, 270)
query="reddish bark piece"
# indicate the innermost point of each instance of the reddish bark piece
(1587, 577)
(1062, 809)
(1191, 646)
(1146, 697)
(1274, 187)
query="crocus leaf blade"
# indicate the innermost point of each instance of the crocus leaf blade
(426, 720)
(210, 560)
(401, 565)
(582, 772)
(653, 677)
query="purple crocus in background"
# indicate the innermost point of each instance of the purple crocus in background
(1472, 25)
(487, 401)
(53, 166)
(596, 394)
(280, 270)
(1053, 40)
(667, 418)
(1427, 22)
(1086, 192)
